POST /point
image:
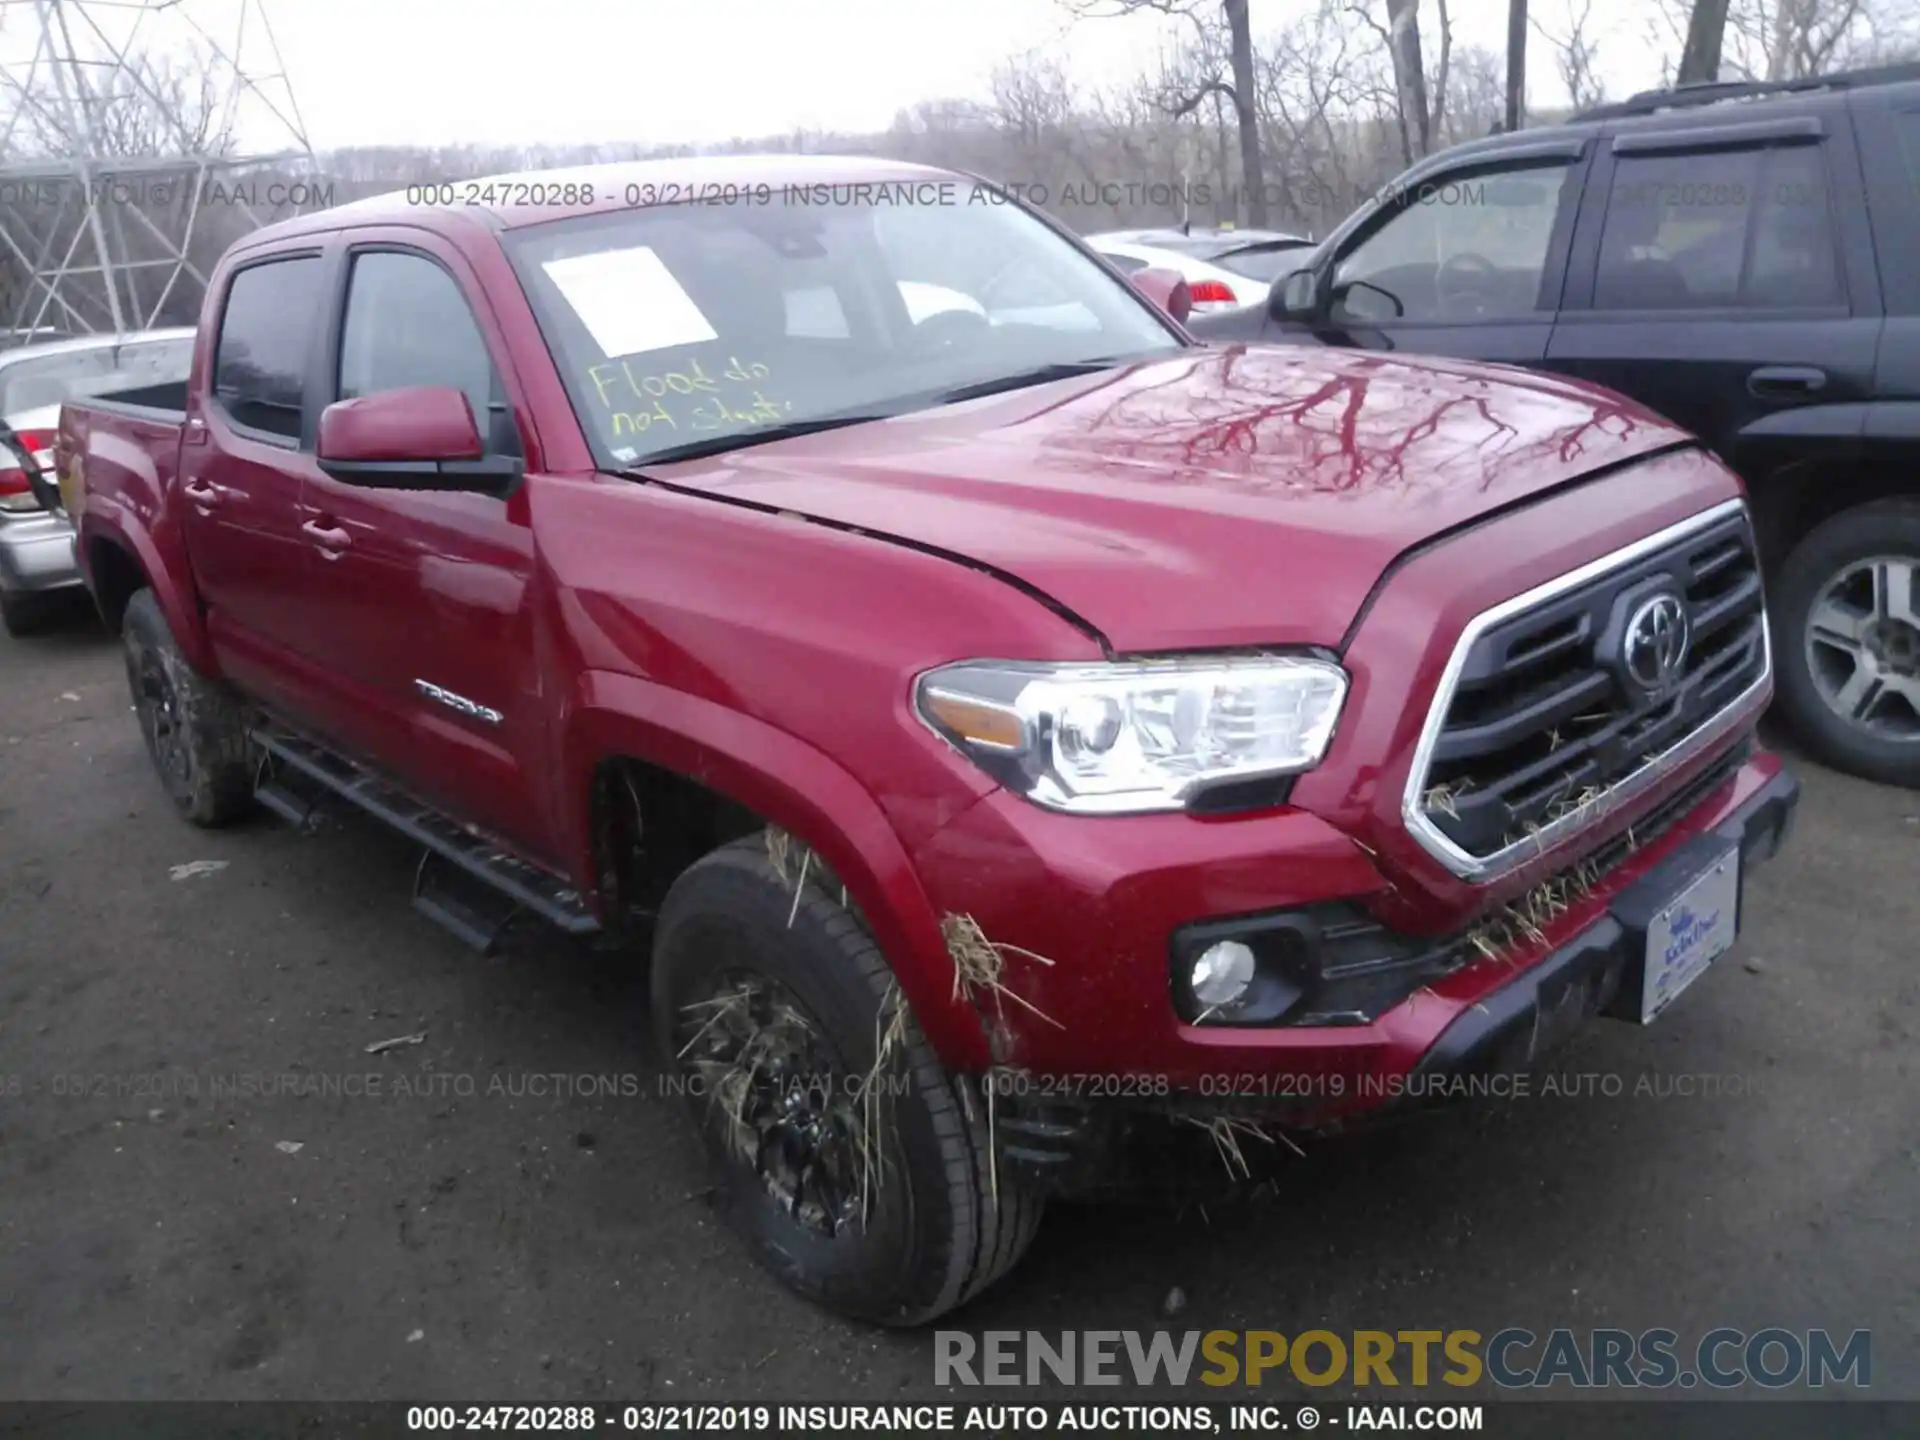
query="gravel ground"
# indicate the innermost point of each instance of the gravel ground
(474, 1230)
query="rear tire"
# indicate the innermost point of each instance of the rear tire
(1828, 578)
(195, 733)
(928, 1232)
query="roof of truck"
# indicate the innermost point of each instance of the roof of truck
(530, 197)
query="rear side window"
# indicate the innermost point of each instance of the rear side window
(266, 342)
(1747, 229)
(408, 324)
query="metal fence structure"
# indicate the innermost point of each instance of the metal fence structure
(138, 138)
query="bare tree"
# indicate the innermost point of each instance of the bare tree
(1516, 64)
(1437, 118)
(1478, 95)
(1706, 33)
(1033, 100)
(1785, 39)
(1239, 89)
(1401, 38)
(1576, 55)
(1409, 73)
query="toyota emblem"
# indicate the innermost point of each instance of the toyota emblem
(1655, 649)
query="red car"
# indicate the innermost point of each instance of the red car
(1016, 730)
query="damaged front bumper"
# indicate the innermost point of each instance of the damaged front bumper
(1072, 1136)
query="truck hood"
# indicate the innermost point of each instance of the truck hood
(1220, 497)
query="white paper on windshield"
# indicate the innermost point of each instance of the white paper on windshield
(629, 301)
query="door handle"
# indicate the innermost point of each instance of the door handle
(331, 539)
(1771, 382)
(201, 493)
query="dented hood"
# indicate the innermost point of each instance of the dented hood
(1221, 497)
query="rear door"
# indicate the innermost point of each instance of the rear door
(242, 466)
(1723, 275)
(1887, 121)
(421, 611)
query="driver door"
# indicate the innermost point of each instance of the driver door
(1467, 262)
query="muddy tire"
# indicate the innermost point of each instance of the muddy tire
(1846, 621)
(878, 1201)
(195, 734)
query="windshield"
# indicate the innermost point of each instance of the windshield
(31, 383)
(701, 325)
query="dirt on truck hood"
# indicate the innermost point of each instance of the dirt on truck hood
(1221, 497)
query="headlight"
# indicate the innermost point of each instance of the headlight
(1131, 737)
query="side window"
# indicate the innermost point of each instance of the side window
(1795, 260)
(408, 324)
(266, 334)
(1729, 228)
(1461, 249)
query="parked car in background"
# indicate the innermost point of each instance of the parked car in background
(1258, 254)
(1744, 259)
(1202, 259)
(954, 707)
(32, 335)
(36, 538)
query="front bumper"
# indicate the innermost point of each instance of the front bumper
(1070, 1137)
(36, 552)
(1598, 971)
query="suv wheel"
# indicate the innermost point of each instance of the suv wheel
(1848, 642)
(194, 731)
(842, 1152)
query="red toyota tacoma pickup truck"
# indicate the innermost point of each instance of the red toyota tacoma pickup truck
(1013, 731)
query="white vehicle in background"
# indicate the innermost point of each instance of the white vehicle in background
(1225, 269)
(36, 542)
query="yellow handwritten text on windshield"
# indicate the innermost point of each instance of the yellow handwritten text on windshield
(638, 400)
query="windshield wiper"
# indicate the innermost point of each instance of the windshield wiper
(742, 439)
(1021, 380)
(764, 435)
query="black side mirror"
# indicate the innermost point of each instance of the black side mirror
(1296, 297)
(1368, 304)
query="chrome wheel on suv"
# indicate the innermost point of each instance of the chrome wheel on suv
(1846, 612)
(1863, 646)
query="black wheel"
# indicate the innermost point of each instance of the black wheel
(193, 729)
(1847, 617)
(855, 1167)
(25, 613)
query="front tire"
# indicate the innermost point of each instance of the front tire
(851, 1163)
(195, 733)
(1847, 610)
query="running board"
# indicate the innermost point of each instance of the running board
(527, 887)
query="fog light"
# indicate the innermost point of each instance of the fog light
(1221, 974)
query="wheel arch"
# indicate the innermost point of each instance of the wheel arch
(723, 774)
(117, 561)
(1794, 489)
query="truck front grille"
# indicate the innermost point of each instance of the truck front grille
(1563, 702)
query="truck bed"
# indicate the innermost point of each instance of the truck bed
(127, 446)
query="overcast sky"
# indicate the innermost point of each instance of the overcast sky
(507, 72)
